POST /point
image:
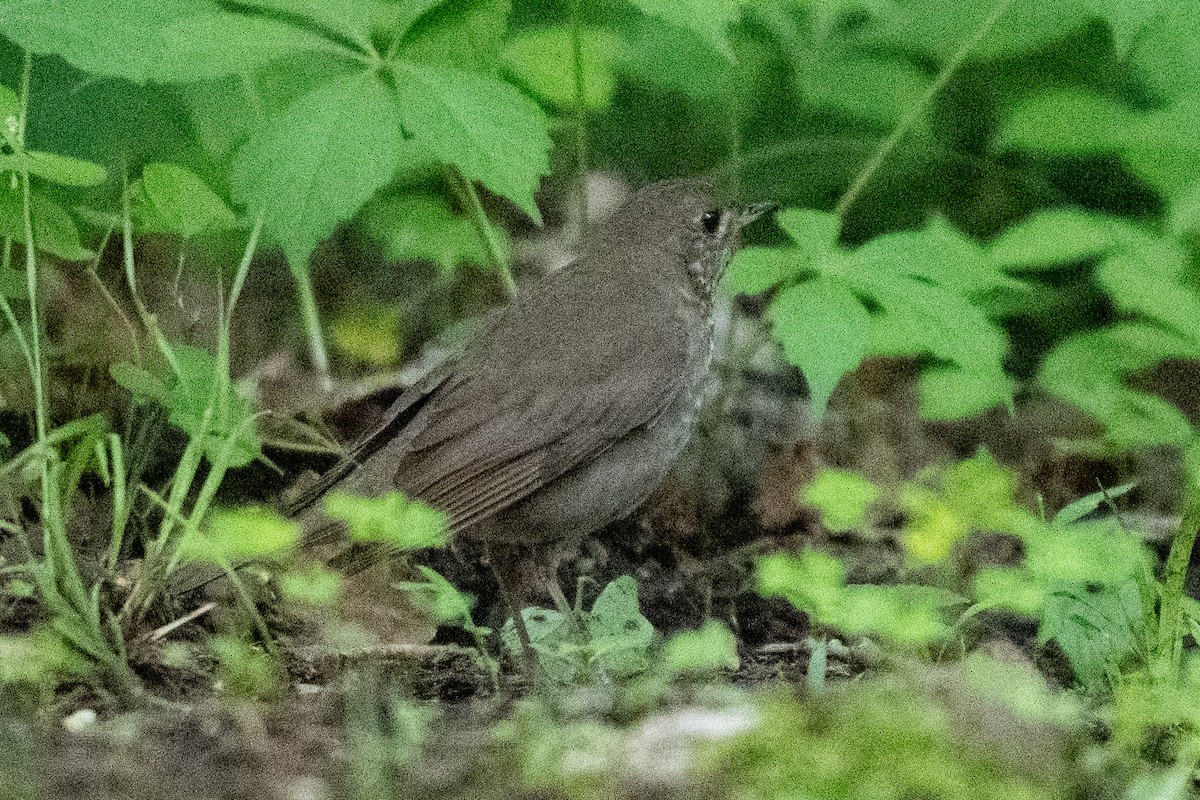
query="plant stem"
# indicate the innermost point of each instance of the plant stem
(914, 114)
(581, 152)
(312, 324)
(1170, 616)
(483, 227)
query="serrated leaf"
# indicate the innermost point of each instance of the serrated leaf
(119, 38)
(483, 126)
(252, 532)
(841, 497)
(872, 88)
(934, 319)
(939, 254)
(1054, 238)
(955, 392)
(708, 19)
(349, 19)
(422, 226)
(755, 270)
(391, 518)
(467, 34)
(315, 164)
(214, 43)
(1068, 122)
(543, 60)
(172, 199)
(710, 648)
(823, 329)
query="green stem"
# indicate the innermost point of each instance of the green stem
(581, 151)
(1170, 617)
(910, 119)
(483, 227)
(312, 324)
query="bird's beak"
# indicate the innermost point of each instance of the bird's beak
(753, 212)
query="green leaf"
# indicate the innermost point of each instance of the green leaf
(391, 518)
(54, 231)
(708, 19)
(1166, 53)
(172, 199)
(620, 635)
(316, 585)
(140, 382)
(10, 108)
(1162, 150)
(350, 19)
(666, 56)
(939, 254)
(204, 403)
(822, 327)
(1097, 628)
(815, 232)
(64, 170)
(1012, 589)
(1136, 283)
(1127, 20)
(954, 392)
(713, 647)
(319, 161)
(1078, 509)
(543, 60)
(877, 89)
(468, 34)
(446, 603)
(484, 127)
(1087, 370)
(815, 583)
(369, 333)
(244, 533)
(119, 38)
(1068, 122)
(755, 270)
(214, 43)
(841, 497)
(939, 28)
(933, 526)
(423, 227)
(931, 319)
(1054, 238)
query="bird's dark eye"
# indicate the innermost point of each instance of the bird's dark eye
(711, 222)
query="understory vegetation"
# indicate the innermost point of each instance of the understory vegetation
(934, 535)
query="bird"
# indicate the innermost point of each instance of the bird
(569, 405)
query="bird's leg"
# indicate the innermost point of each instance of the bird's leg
(502, 567)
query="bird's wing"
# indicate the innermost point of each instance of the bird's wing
(488, 468)
(398, 415)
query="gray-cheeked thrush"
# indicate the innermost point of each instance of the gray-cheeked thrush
(569, 406)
